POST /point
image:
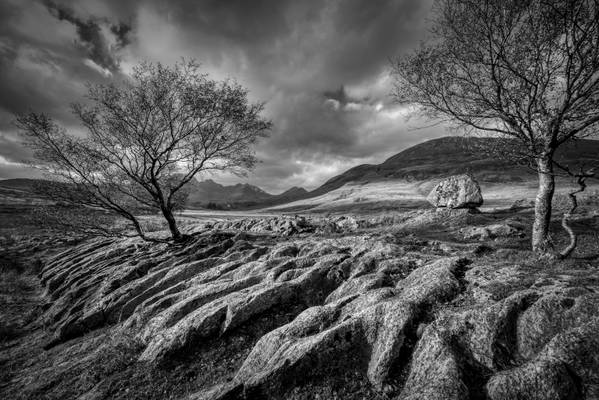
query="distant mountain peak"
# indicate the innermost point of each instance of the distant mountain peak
(294, 190)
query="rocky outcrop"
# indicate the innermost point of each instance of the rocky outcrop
(285, 226)
(289, 226)
(377, 323)
(483, 351)
(416, 321)
(458, 191)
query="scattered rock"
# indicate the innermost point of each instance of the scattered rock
(346, 223)
(493, 231)
(282, 225)
(522, 203)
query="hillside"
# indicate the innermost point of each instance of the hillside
(447, 156)
(414, 169)
(19, 183)
(403, 180)
(20, 191)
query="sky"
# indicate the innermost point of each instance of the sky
(322, 67)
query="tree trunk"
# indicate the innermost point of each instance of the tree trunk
(138, 229)
(541, 241)
(172, 223)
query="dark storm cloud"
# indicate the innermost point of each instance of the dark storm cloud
(320, 65)
(91, 39)
(43, 52)
(41, 69)
(121, 32)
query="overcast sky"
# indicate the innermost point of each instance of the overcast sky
(321, 67)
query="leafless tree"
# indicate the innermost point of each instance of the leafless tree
(147, 137)
(525, 71)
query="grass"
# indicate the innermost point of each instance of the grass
(19, 305)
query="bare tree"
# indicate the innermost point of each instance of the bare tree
(526, 71)
(147, 138)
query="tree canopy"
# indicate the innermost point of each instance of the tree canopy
(147, 137)
(526, 71)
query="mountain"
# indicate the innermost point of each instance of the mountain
(213, 195)
(210, 191)
(294, 192)
(452, 155)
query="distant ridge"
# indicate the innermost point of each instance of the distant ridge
(19, 183)
(213, 195)
(451, 155)
(431, 159)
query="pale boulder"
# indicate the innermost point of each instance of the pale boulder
(458, 191)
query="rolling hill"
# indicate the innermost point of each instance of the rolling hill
(404, 180)
(451, 155)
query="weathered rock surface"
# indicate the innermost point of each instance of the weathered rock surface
(376, 322)
(285, 226)
(433, 323)
(492, 231)
(458, 191)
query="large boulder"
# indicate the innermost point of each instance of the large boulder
(458, 191)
